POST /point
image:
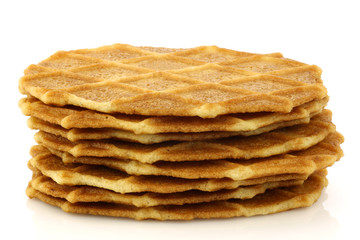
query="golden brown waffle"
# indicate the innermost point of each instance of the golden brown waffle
(272, 201)
(171, 133)
(267, 144)
(120, 182)
(203, 81)
(322, 155)
(80, 118)
(76, 194)
(78, 134)
(302, 163)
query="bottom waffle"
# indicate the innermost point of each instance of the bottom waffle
(272, 201)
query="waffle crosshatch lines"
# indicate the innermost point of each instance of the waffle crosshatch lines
(177, 134)
(204, 81)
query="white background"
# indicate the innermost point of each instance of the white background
(325, 33)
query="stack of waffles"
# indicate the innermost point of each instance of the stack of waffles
(177, 134)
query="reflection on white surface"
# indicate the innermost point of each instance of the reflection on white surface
(313, 222)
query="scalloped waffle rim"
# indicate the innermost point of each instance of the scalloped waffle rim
(300, 163)
(279, 141)
(76, 194)
(69, 118)
(324, 154)
(273, 201)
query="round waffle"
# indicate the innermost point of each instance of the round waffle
(272, 201)
(171, 133)
(205, 81)
(264, 145)
(303, 162)
(70, 118)
(75, 194)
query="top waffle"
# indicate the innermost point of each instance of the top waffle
(204, 81)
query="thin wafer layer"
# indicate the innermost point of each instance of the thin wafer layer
(78, 134)
(267, 144)
(121, 182)
(173, 84)
(322, 155)
(302, 163)
(272, 201)
(76, 194)
(69, 117)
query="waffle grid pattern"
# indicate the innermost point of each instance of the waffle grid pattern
(204, 81)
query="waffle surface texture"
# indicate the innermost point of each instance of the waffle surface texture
(177, 134)
(204, 81)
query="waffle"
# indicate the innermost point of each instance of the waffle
(303, 162)
(176, 134)
(205, 81)
(70, 118)
(121, 182)
(324, 154)
(76, 194)
(267, 144)
(78, 134)
(272, 201)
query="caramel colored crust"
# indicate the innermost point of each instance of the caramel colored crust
(264, 145)
(272, 201)
(76, 194)
(205, 81)
(323, 154)
(70, 118)
(177, 134)
(76, 134)
(296, 164)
